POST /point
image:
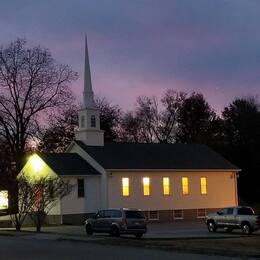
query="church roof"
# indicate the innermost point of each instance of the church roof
(68, 164)
(157, 156)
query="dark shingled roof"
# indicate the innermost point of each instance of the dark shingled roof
(157, 156)
(68, 164)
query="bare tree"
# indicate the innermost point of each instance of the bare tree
(172, 102)
(110, 118)
(31, 82)
(47, 191)
(37, 197)
(26, 202)
(60, 131)
(139, 125)
(153, 121)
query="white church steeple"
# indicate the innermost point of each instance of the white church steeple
(88, 95)
(89, 116)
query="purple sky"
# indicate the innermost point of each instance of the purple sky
(143, 47)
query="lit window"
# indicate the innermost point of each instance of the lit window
(185, 185)
(3, 199)
(203, 185)
(125, 186)
(166, 186)
(146, 186)
(93, 121)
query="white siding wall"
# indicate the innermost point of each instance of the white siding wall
(72, 204)
(103, 191)
(92, 194)
(55, 210)
(221, 190)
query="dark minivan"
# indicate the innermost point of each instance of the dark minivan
(117, 221)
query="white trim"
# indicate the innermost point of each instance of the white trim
(70, 146)
(91, 130)
(178, 217)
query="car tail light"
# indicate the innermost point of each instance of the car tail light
(124, 221)
(258, 220)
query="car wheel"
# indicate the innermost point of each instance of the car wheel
(139, 235)
(114, 232)
(211, 226)
(246, 229)
(89, 230)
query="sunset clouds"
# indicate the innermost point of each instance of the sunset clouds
(142, 47)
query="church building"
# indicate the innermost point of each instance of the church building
(168, 182)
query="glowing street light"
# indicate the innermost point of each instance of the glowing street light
(35, 169)
(36, 163)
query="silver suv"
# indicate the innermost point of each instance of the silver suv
(117, 221)
(234, 218)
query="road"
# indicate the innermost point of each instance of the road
(24, 248)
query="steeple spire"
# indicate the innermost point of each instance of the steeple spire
(89, 130)
(88, 95)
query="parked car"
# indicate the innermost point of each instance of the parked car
(234, 218)
(117, 221)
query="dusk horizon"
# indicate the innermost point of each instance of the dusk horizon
(145, 48)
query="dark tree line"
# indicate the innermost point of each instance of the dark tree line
(241, 144)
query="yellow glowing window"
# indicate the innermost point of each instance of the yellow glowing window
(3, 199)
(146, 186)
(203, 185)
(185, 185)
(166, 186)
(125, 186)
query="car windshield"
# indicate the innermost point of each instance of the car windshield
(134, 214)
(245, 211)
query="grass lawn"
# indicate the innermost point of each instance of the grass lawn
(241, 246)
(247, 246)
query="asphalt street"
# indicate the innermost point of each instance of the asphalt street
(24, 248)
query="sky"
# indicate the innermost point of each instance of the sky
(144, 47)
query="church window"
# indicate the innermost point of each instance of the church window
(125, 186)
(185, 185)
(203, 185)
(81, 188)
(93, 121)
(146, 186)
(166, 186)
(82, 123)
